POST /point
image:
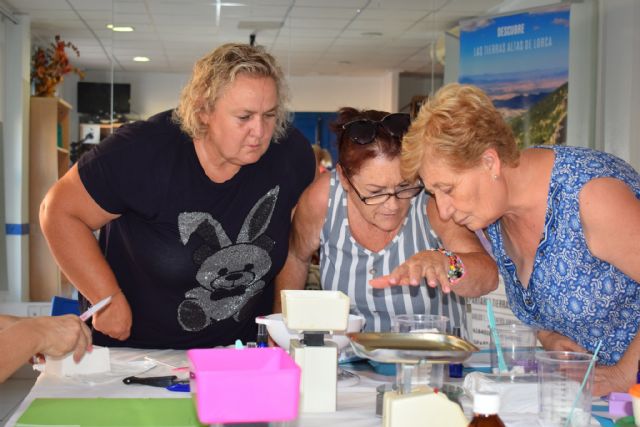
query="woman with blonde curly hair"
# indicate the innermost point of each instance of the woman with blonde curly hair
(194, 207)
(564, 225)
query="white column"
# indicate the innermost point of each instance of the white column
(583, 72)
(620, 84)
(451, 58)
(16, 91)
(4, 284)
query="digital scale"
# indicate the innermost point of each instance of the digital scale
(315, 314)
(423, 406)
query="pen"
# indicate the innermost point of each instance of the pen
(95, 308)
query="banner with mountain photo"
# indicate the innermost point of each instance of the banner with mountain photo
(522, 62)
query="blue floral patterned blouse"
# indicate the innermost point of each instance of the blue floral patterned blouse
(571, 291)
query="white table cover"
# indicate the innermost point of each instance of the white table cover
(356, 403)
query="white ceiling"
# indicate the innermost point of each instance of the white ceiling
(337, 37)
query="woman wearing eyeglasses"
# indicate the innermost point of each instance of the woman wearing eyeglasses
(367, 222)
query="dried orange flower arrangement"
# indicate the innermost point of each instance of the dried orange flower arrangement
(48, 66)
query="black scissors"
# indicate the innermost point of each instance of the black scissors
(170, 382)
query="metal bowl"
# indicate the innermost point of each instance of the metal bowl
(393, 347)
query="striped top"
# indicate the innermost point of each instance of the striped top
(347, 266)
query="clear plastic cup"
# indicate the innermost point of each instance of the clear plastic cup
(425, 373)
(518, 343)
(560, 374)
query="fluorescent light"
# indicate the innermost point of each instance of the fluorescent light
(218, 4)
(141, 59)
(120, 29)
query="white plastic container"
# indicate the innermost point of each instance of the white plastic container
(315, 310)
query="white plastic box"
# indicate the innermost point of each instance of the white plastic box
(315, 310)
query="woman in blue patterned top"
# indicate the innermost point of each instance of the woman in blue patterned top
(564, 225)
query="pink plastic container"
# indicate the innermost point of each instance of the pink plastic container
(244, 386)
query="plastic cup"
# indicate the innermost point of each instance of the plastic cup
(518, 343)
(424, 374)
(560, 374)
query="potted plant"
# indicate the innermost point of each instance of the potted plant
(50, 64)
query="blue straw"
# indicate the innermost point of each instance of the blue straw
(584, 381)
(502, 366)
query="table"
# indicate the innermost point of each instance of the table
(356, 403)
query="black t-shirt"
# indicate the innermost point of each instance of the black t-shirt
(196, 259)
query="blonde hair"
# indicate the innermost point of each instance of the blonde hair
(218, 69)
(457, 125)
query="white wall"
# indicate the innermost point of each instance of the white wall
(329, 93)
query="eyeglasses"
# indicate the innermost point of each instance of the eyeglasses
(378, 199)
(364, 131)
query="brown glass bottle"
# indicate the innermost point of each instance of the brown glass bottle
(485, 410)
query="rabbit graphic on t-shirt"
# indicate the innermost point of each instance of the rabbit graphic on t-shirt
(230, 274)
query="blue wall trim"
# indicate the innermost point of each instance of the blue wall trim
(17, 229)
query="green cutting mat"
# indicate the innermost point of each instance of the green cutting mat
(102, 412)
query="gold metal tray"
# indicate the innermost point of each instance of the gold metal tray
(393, 347)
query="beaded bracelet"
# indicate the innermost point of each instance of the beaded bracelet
(456, 267)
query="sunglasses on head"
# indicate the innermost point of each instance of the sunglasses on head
(364, 131)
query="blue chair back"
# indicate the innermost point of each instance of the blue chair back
(62, 305)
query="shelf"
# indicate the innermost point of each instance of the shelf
(105, 125)
(109, 126)
(63, 161)
(49, 141)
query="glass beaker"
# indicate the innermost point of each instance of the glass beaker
(423, 373)
(518, 343)
(560, 374)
